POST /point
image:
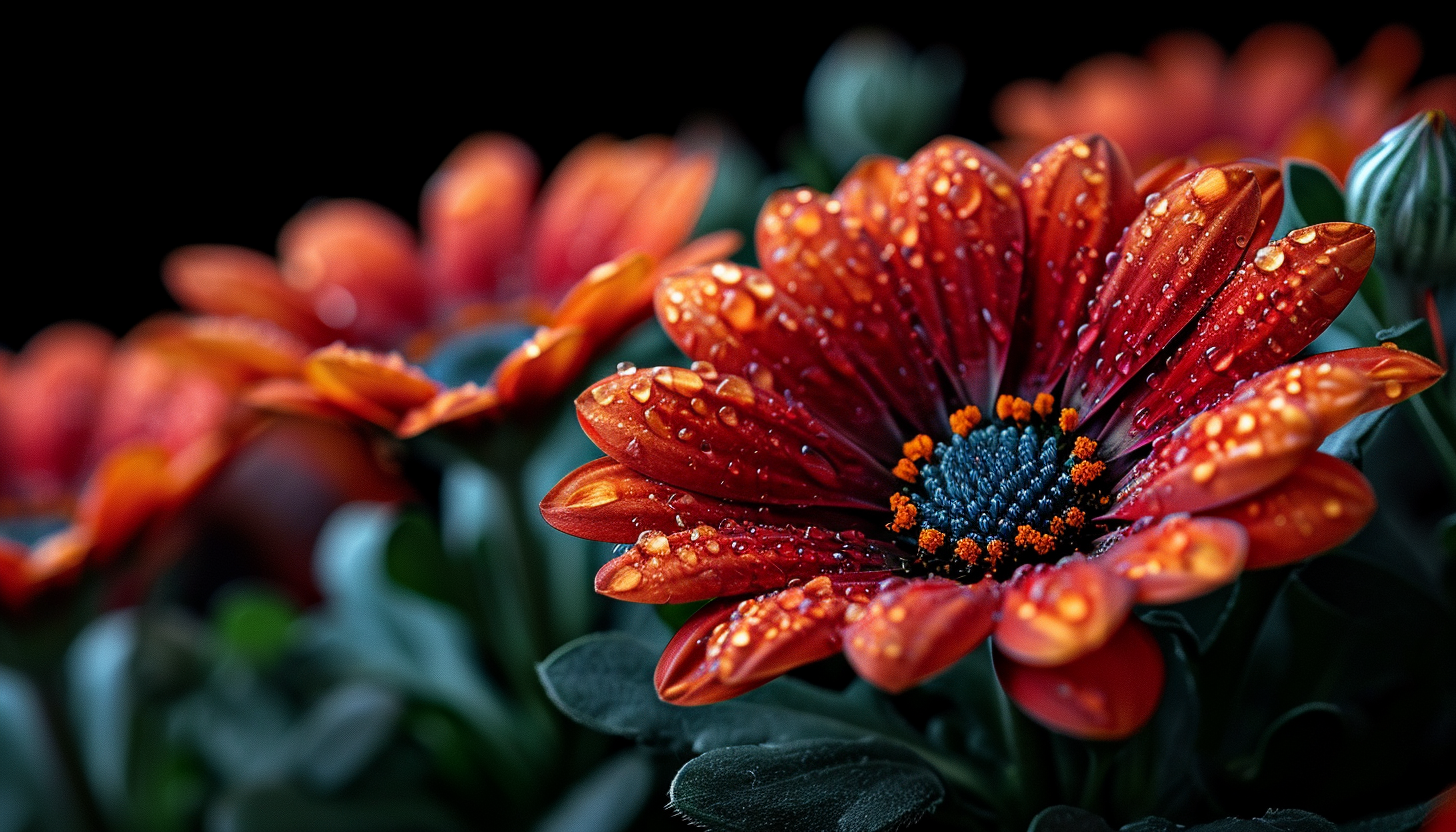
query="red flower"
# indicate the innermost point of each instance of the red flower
(1281, 94)
(958, 403)
(97, 442)
(353, 284)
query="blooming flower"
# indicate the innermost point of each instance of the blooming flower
(1281, 94)
(354, 285)
(98, 440)
(958, 403)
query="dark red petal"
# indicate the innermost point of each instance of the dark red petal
(730, 647)
(1078, 198)
(737, 559)
(606, 500)
(1107, 694)
(1322, 504)
(1273, 307)
(1178, 559)
(1164, 174)
(1172, 259)
(917, 629)
(1050, 615)
(956, 239)
(720, 436)
(1268, 427)
(1271, 200)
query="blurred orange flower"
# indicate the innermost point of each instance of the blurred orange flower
(493, 260)
(1281, 94)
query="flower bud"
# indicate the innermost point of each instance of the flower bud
(1404, 186)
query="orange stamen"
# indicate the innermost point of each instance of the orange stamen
(996, 549)
(1044, 404)
(906, 470)
(1076, 517)
(930, 539)
(918, 448)
(1003, 406)
(905, 513)
(1021, 409)
(1068, 421)
(1083, 473)
(968, 550)
(1057, 526)
(1084, 448)
(963, 421)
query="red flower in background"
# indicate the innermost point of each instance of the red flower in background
(1281, 94)
(957, 403)
(98, 441)
(355, 293)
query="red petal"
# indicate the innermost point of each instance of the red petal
(720, 436)
(1107, 694)
(542, 368)
(376, 388)
(473, 214)
(358, 264)
(1272, 308)
(736, 559)
(1178, 559)
(606, 500)
(129, 487)
(730, 647)
(956, 239)
(917, 629)
(612, 298)
(1078, 197)
(1316, 508)
(1271, 201)
(235, 282)
(239, 350)
(467, 402)
(1172, 259)
(1053, 614)
(1165, 173)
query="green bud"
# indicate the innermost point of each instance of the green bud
(1404, 187)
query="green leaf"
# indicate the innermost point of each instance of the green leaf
(33, 790)
(1311, 724)
(810, 785)
(285, 809)
(1351, 441)
(343, 732)
(1067, 819)
(1408, 819)
(1274, 820)
(1414, 336)
(101, 700)
(255, 622)
(1310, 196)
(606, 800)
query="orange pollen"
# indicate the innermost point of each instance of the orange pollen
(997, 550)
(918, 448)
(930, 539)
(963, 421)
(1043, 404)
(1068, 421)
(906, 470)
(1003, 406)
(1083, 473)
(1057, 526)
(1084, 448)
(1021, 410)
(905, 513)
(1076, 517)
(968, 550)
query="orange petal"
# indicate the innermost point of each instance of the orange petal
(236, 282)
(738, 559)
(613, 297)
(1178, 559)
(129, 487)
(238, 350)
(377, 388)
(606, 500)
(473, 215)
(295, 397)
(731, 647)
(56, 559)
(542, 368)
(1107, 694)
(1165, 173)
(1319, 506)
(917, 629)
(468, 401)
(1050, 615)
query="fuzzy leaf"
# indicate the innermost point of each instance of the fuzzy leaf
(1067, 819)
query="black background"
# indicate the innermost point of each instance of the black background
(140, 134)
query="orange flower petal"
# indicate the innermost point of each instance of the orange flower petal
(1078, 198)
(1322, 504)
(612, 298)
(542, 368)
(738, 559)
(606, 500)
(238, 350)
(473, 214)
(917, 629)
(1174, 256)
(295, 397)
(377, 388)
(720, 436)
(1107, 694)
(129, 487)
(1178, 559)
(730, 647)
(1273, 307)
(1163, 174)
(235, 282)
(1050, 615)
(469, 401)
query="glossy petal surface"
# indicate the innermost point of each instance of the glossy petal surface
(1179, 559)
(378, 388)
(1107, 694)
(1050, 615)
(918, 628)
